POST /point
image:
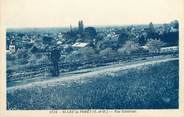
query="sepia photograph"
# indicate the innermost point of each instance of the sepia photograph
(92, 54)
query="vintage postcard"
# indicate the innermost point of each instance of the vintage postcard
(91, 57)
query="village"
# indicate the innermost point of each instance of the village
(103, 59)
(84, 47)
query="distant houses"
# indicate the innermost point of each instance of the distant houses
(80, 45)
(172, 49)
(11, 48)
(98, 38)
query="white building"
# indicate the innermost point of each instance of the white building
(169, 49)
(12, 48)
(80, 45)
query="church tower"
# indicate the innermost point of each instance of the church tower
(71, 30)
(81, 26)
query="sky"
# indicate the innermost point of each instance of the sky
(62, 13)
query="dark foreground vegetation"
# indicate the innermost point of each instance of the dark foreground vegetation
(152, 86)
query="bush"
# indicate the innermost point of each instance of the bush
(22, 54)
(43, 60)
(87, 52)
(38, 59)
(123, 37)
(10, 57)
(21, 61)
(129, 47)
(108, 43)
(154, 45)
(90, 33)
(47, 40)
(32, 60)
(108, 52)
(73, 56)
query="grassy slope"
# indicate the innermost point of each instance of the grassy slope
(151, 86)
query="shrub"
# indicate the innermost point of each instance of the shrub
(108, 43)
(73, 56)
(22, 54)
(108, 52)
(10, 56)
(129, 47)
(87, 52)
(32, 60)
(43, 60)
(123, 37)
(154, 45)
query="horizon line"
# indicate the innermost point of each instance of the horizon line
(75, 26)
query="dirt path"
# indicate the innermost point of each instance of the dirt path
(89, 73)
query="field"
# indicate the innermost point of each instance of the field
(151, 86)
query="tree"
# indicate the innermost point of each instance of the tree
(47, 40)
(73, 56)
(151, 27)
(70, 37)
(129, 47)
(43, 60)
(22, 56)
(142, 39)
(10, 57)
(22, 53)
(109, 43)
(154, 45)
(151, 31)
(32, 60)
(87, 52)
(175, 24)
(100, 36)
(90, 33)
(34, 49)
(171, 38)
(108, 52)
(123, 37)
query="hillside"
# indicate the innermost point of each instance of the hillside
(149, 85)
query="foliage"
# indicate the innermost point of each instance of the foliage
(32, 60)
(171, 38)
(90, 33)
(22, 53)
(10, 56)
(109, 43)
(43, 60)
(47, 40)
(34, 49)
(154, 45)
(73, 56)
(151, 31)
(129, 47)
(175, 24)
(85, 53)
(123, 37)
(108, 52)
